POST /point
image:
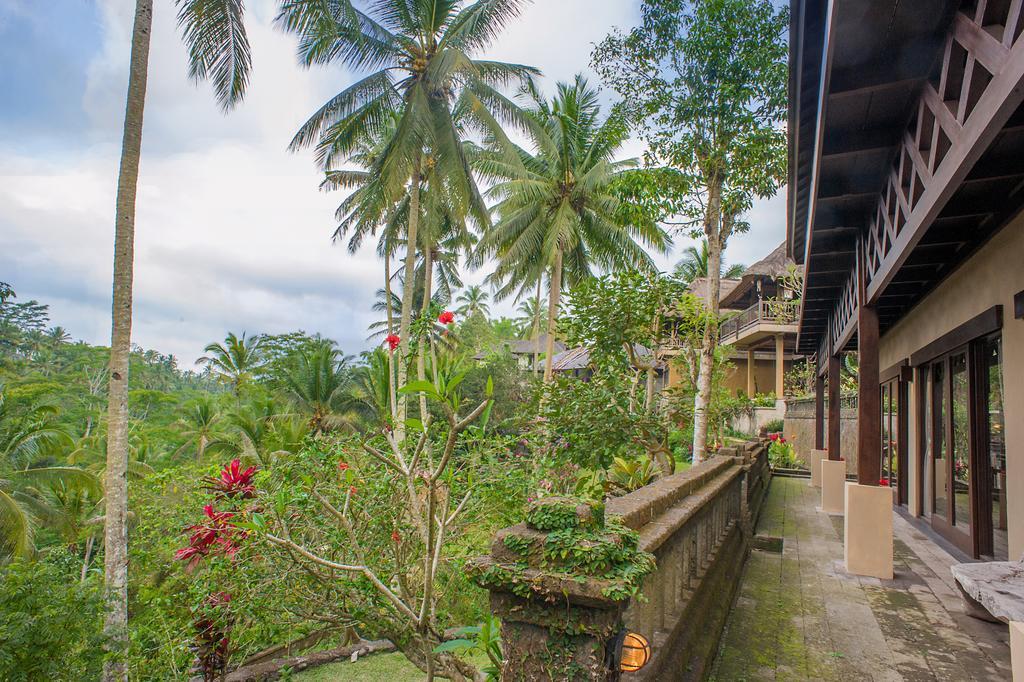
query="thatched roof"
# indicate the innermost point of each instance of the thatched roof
(699, 288)
(772, 266)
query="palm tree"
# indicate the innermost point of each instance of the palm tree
(557, 210)
(27, 431)
(423, 71)
(694, 264)
(201, 426)
(473, 300)
(320, 385)
(236, 360)
(218, 49)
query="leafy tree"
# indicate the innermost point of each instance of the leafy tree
(556, 209)
(26, 430)
(51, 622)
(424, 72)
(236, 360)
(705, 83)
(694, 264)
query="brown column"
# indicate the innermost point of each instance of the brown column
(834, 409)
(819, 413)
(751, 388)
(780, 368)
(869, 408)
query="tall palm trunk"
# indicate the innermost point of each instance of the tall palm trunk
(712, 227)
(553, 296)
(115, 530)
(407, 295)
(535, 334)
(421, 355)
(387, 294)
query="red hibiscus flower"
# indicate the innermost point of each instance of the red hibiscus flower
(447, 317)
(393, 341)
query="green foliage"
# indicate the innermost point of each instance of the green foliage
(625, 476)
(774, 425)
(782, 455)
(50, 622)
(479, 639)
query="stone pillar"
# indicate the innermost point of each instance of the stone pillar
(1017, 650)
(751, 362)
(558, 619)
(780, 368)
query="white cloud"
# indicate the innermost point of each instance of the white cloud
(232, 231)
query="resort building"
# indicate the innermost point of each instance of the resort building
(759, 312)
(905, 191)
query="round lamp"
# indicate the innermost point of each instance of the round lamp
(631, 651)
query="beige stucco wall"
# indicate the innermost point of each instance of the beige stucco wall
(991, 277)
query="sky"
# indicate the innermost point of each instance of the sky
(232, 232)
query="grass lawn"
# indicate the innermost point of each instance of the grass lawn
(375, 668)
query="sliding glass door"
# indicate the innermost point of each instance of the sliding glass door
(965, 459)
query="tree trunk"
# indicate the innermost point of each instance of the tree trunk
(387, 294)
(707, 352)
(553, 296)
(535, 334)
(408, 287)
(421, 355)
(115, 529)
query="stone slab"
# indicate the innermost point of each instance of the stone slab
(833, 482)
(868, 531)
(1017, 649)
(997, 586)
(815, 464)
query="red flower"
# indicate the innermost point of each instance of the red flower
(396, 537)
(393, 341)
(352, 490)
(447, 317)
(342, 466)
(773, 436)
(883, 482)
(233, 482)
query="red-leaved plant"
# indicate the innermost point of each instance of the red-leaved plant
(216, 534)
(212, 623)
(232, 482)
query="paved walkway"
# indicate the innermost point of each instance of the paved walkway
(800, 616)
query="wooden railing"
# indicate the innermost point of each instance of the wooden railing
(764, 311)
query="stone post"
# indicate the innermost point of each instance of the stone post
(550, 586)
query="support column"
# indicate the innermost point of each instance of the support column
(819, 413)
(751, 387)
(869, 408)
(835, 409)
(780, 369)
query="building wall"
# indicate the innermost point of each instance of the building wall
(991, 277)
(736, 377)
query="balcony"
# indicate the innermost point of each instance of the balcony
(762, 320)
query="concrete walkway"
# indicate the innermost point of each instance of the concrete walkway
(800, 616)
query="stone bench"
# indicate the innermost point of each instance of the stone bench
(992, 590)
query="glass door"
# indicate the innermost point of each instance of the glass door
(965, 457)
(894, 437)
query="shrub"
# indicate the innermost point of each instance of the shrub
(782, 455)
(774, 426)
(50, 622)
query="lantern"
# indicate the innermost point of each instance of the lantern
(630, 652)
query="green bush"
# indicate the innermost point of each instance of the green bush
(774, 426)
(50, 622)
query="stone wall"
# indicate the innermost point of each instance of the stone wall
(799, 429)
(697, 524)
